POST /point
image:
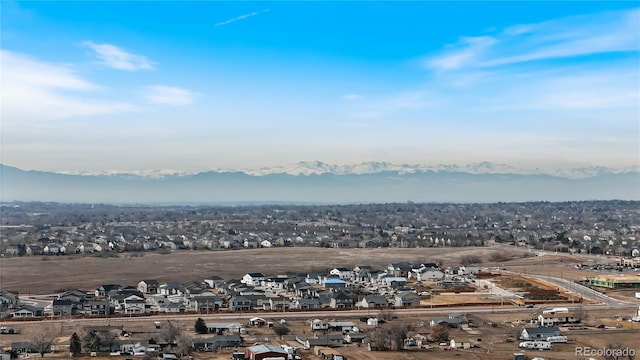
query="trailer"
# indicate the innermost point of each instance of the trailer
(557, 339)
(535, 345)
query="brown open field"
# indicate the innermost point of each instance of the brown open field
(43, 275)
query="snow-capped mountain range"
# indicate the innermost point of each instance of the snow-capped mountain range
(306, 168)
(317, 182)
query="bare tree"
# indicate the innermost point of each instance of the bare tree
(170, 332)
(470, 260)
(42, 342)
(110, 340)
(386, 314)
(390, 337)
(91, 341)
(397, 333)
(498, 256)
(581, 314)
(440, 333)
(184, 345)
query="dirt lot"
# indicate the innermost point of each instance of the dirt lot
(33, 275)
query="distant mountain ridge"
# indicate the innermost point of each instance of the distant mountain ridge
(317, 182)
(372, 167)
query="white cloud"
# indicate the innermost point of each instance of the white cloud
(470, 50)
(241, 17)
(169, 95)
(561, 38)
(117, 58)
(37, 90)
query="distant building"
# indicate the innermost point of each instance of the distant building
(616, 282)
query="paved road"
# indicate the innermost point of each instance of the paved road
(585, 292)
(422, 313)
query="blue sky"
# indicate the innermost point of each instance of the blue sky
(194, 86)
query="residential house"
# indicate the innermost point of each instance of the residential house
(148, 286)
(557, 319)
(341, 301)
(224, 327)
(399, 269)
(204, 303)
(341, 272)
(240, 303)
(95, 307)
(355, 338)
(252, 279)
(361, 273)
(313, 278)
(425, 273)
(374, 301)
(104, 290)
(133, 304)
(55, 249)
(342, 326)
(217, 342)
(22, 347)
(279, 304)
(395, 282)
(469, 270)
(335, 284)
(172, 307)
(454, 320)
(28, 311)
(307, 303)
(65, 307)
(303, 290)
(171, 288)
(74, 295)
(407, 298)
(329, 340)
(9, 299)
(318, 324)
(539, 333)
(266, 244)
(261, 352)
(138, 347)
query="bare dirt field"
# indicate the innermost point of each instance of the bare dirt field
(44, 275)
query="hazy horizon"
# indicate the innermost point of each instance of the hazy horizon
(95, 86)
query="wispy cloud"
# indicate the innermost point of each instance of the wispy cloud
(352, 97)
(169, 95)
(241, 17)
(468, 51)
(409, 101)
(117, 58)
(42, 91)
(609, 32)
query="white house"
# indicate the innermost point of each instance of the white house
(429, 274)
(252, 279)
(318, 324)
(133, 304)
(557, 319)
(341, 272)
(266, 244)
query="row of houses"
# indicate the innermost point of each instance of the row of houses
(254, 291)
